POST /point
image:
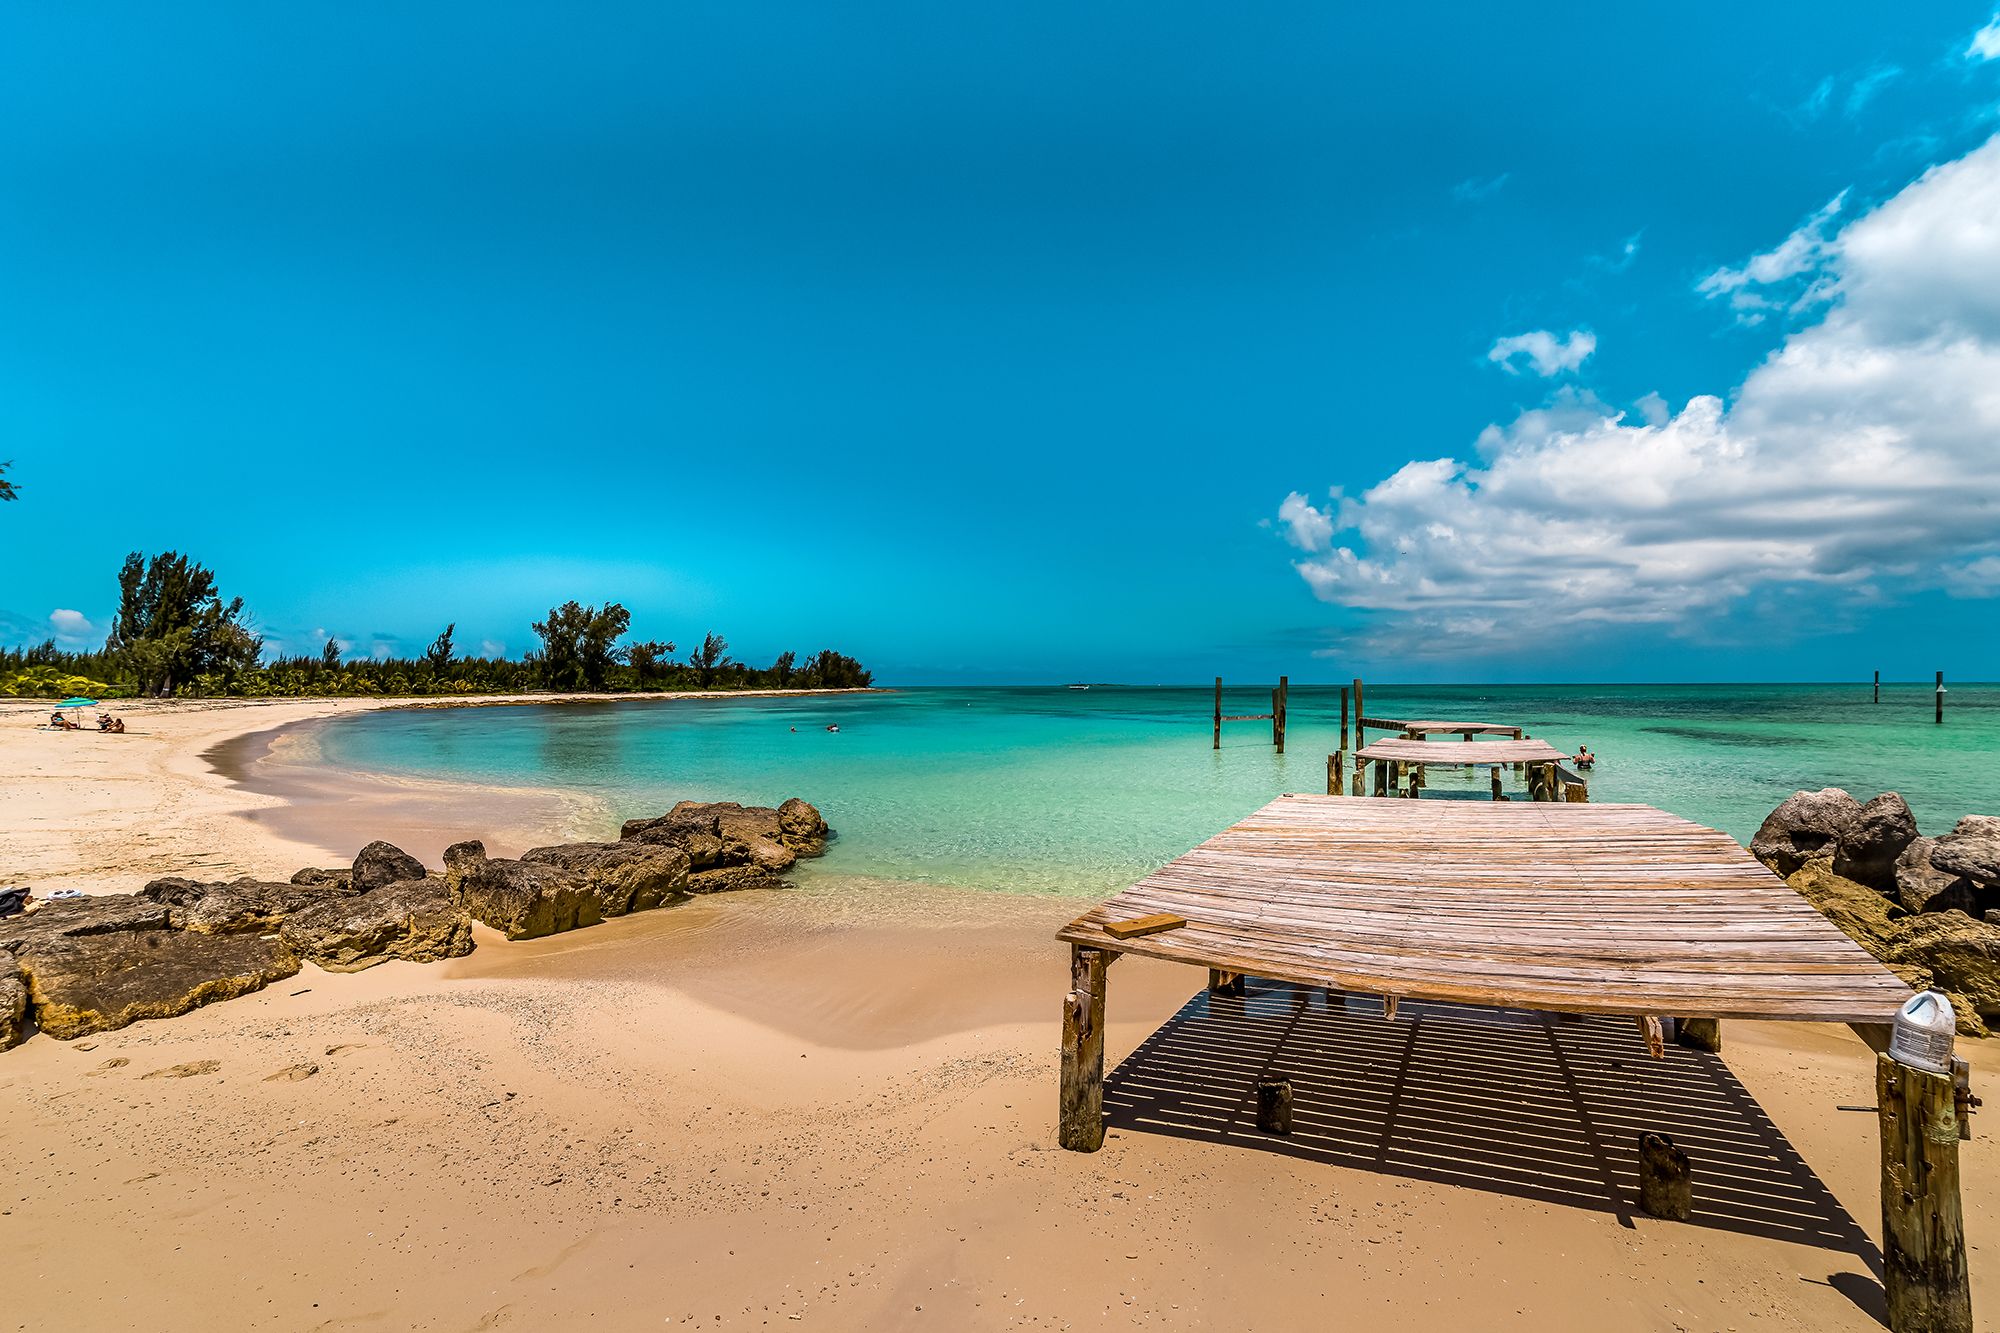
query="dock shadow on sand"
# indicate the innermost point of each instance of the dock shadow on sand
(1509, 1101)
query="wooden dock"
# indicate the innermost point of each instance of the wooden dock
(1606, 909)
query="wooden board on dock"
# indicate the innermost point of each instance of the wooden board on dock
(1151, 924)
(1576, 908)
(1404, 750)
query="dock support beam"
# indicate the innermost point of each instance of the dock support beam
(1218, 712)
(1940, 697)
(1699, 1034)
(1878, 687)
(1336, 773)
(1360, 741)
(1224, 983)
(1278, 699)
(1081, 1123)
(1343, 717)
(1923, 1224)
(1498, 794)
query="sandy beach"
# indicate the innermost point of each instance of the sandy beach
(833, 1108)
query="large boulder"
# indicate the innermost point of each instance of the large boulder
(13, 1003)
(420, 920)
(74, 918)
(522, 899)
(1922, 887)
(382, 863)
(1963, 958)
(1972, 850)
(1871, 842)
(1807, 826)
(84, 983)
(625, 876)
(695, 831)
(804, 831)
(250, 904)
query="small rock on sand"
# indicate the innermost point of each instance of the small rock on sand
(188, 1070)
(115, 1062)
(293, 1074)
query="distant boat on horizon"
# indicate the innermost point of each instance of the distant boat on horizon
(1079, 687)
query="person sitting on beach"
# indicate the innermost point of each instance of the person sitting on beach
(104, 721)
(117, 727)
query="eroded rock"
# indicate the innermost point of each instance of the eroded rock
(625, 876)
(1972, 849)
(1868, 846)
(13, 1003)
(1963, 958)
(326, 877)
(420, 920)
(1922, 887)
(1807, 826)
(74, 918)
(522, 899)
(381, 863)
(249, 904)
(84, 983)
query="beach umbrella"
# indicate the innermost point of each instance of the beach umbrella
(77, 703)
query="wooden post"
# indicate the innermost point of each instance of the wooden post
(1224, 983)
(1343, 717)
(1878, 687)
(1274, 1105)
(1923, 1224)
(1666, 1182)
(1360, 741)
(1279, 697)
(1336, 774)
(1699, 1034)
(1498, 794)
(1416, 782)
(1381, 777)
(1081, 1125)
(1360, 786)
(1940, 697)
(1218, 712)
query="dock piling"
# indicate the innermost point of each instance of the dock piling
(1218, 712)
(1940, 696)
(1278, 700)
(1923, 1221)
(1082, 1108)
(1878, 687)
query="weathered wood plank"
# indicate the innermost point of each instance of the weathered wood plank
(1150, 924)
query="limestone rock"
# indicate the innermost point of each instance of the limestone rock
(329, 877)
(694, 832)
(1972, 849)
(382, 863)
(84, 983)
(1963, 958)
(625, 876)
(13, 1003)
(1869, 845)
(420, 920)
(249, 904)
(174, 890)
(1922, 887)
(1864, 915)
(522, 899)
(804, 831)
(74, 918)
(1807, 826)
(725, 879)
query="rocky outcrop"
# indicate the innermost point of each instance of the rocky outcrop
(1962, 957)
(728, 879)
(625, 876)
(74, 918)
(804, 831)
(1807, 826)
(249, 904)
(521, 899)
(1971, 850)
(1922, 887)
(1867, 847)
(329, 877)
(1946, 951)
(13, 1003)
(421, 920)
(381, 863)
(721, 835)
(84, 983)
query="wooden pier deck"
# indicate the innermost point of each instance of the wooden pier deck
(1604, 909)
(1404, 750)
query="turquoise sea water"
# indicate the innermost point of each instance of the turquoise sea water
(1062, 790)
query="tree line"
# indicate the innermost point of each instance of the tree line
(174, 634)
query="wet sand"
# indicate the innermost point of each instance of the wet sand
(833, 1108)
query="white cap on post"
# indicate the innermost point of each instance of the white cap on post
(1922, 1037)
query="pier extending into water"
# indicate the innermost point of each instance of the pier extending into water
(1607, 910)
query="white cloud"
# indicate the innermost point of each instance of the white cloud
(1985, 44)
(1307, 528)
(493, 648)
(1548, 354)
(1857, 457)
(1756, 287)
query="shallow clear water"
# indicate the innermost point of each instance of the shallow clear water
(1083, 791)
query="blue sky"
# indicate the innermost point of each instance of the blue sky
(1028, 342)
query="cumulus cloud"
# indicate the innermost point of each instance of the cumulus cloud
(1307, 528)
(1857, 459)
(72, 630)
(1985, 44)
(1543, 351)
